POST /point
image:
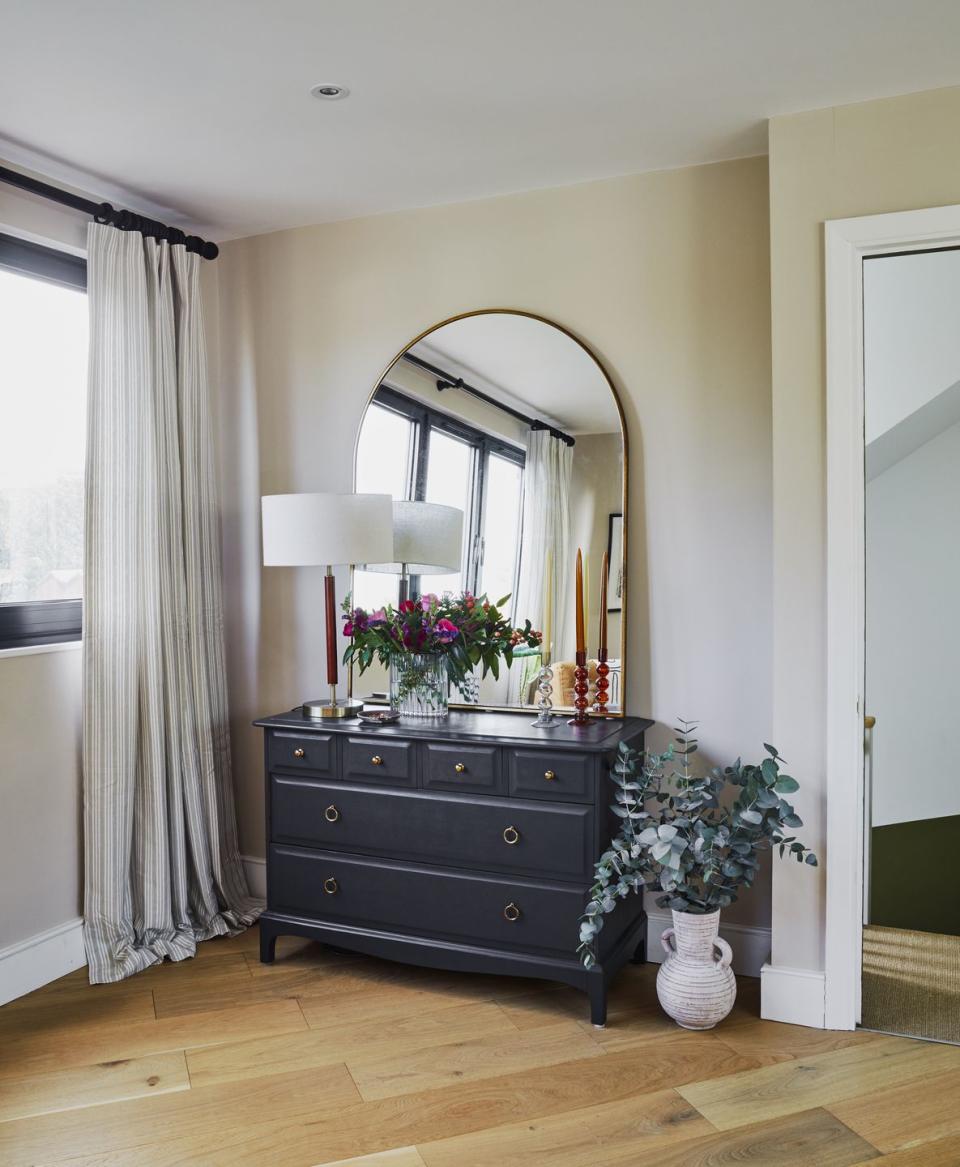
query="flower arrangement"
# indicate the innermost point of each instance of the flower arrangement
(467, 630)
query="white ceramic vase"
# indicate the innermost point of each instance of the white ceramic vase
(695, 984)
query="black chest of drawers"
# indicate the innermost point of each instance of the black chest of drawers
(465, 844)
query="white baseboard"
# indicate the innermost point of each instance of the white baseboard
(256, 872)
(794, 995)
(29, 964)
(751, 946)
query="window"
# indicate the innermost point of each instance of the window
(43, 375)
(412, 451)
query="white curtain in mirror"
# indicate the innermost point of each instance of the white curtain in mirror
(542, 582)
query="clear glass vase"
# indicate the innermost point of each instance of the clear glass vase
(419, 685)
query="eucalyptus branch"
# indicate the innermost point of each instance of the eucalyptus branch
(679, 838)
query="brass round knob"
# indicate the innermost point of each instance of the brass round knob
(331, 814)
(550, 775)
(511, 835)
(298, 752)
(330, 885)
(460, 767)
(511, 912)
(376, 760)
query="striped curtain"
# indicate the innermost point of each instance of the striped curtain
(162, 863)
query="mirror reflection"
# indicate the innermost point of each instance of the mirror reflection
(501, 437)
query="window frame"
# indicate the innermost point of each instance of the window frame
(425, 418)
(34, 623)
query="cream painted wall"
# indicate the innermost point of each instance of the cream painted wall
(666, 276)
(892, 155)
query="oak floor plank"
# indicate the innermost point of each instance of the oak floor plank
(939, 1153)
(621, 1132)
(48, 1049)
(64, 1014)
(401, 1157)
(92, 1085)
(796, 1140)
(776, 1041)
(905, 1114)
(380, 1076)
(134, 1130)
(413, 1119)
(820, 1080)
(367, 1038)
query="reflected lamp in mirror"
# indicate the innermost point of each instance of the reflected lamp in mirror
(326, 530)
(427, 540)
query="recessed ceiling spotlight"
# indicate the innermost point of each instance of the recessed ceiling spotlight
(330, 92)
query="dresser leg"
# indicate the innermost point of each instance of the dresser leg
(268, 946)
(640, 952)
(597, 990)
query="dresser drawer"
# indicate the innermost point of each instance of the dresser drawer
(301, 751)
(522, 914)
(553, 842)
(475, 769)
(560, 774)
(373, 760)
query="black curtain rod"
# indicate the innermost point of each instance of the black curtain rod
(105, 213)
(445, 381)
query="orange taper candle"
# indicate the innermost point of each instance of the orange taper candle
(604, 573)
(581, 639)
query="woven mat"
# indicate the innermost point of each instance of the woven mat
(911, 983)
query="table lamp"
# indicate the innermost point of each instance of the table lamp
(326, 530)
(427, 540)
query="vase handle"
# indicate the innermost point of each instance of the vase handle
(725, 951)
(667, 940)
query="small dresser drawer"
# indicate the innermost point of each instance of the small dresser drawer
(301, 751)
(492, 834)
(560, 774)
(370, 759)
(511, 913)
(474, 769)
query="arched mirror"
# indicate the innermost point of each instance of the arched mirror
(507, 432)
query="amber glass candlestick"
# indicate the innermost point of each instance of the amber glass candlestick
(580, 688)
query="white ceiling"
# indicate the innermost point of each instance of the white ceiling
(202, 106)
(527, 364)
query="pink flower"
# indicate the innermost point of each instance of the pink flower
(446, 631)
(348, 629)
(427, 601)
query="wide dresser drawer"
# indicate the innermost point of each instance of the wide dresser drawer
(477, 832)
(510, 913)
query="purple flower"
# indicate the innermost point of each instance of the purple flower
(446, 631)
(378, 617)
(427, 601)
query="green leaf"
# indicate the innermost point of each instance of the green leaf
(786, 785)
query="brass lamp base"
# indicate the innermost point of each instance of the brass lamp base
(332, 707)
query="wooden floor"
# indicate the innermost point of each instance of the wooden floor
(327, 1058)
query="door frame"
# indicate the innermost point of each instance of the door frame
(848, 242)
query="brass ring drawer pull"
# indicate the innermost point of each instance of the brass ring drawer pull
(550, 775)
(376, 760)
(460, 767)
(298, 752)
(511, 835)
(511, 912)
(330, 886)
(331, 814)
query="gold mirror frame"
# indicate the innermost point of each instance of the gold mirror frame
(624, 503)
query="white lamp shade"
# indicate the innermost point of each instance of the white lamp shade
(427, 539)
(308, 530)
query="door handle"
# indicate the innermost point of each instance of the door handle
(869, 722)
